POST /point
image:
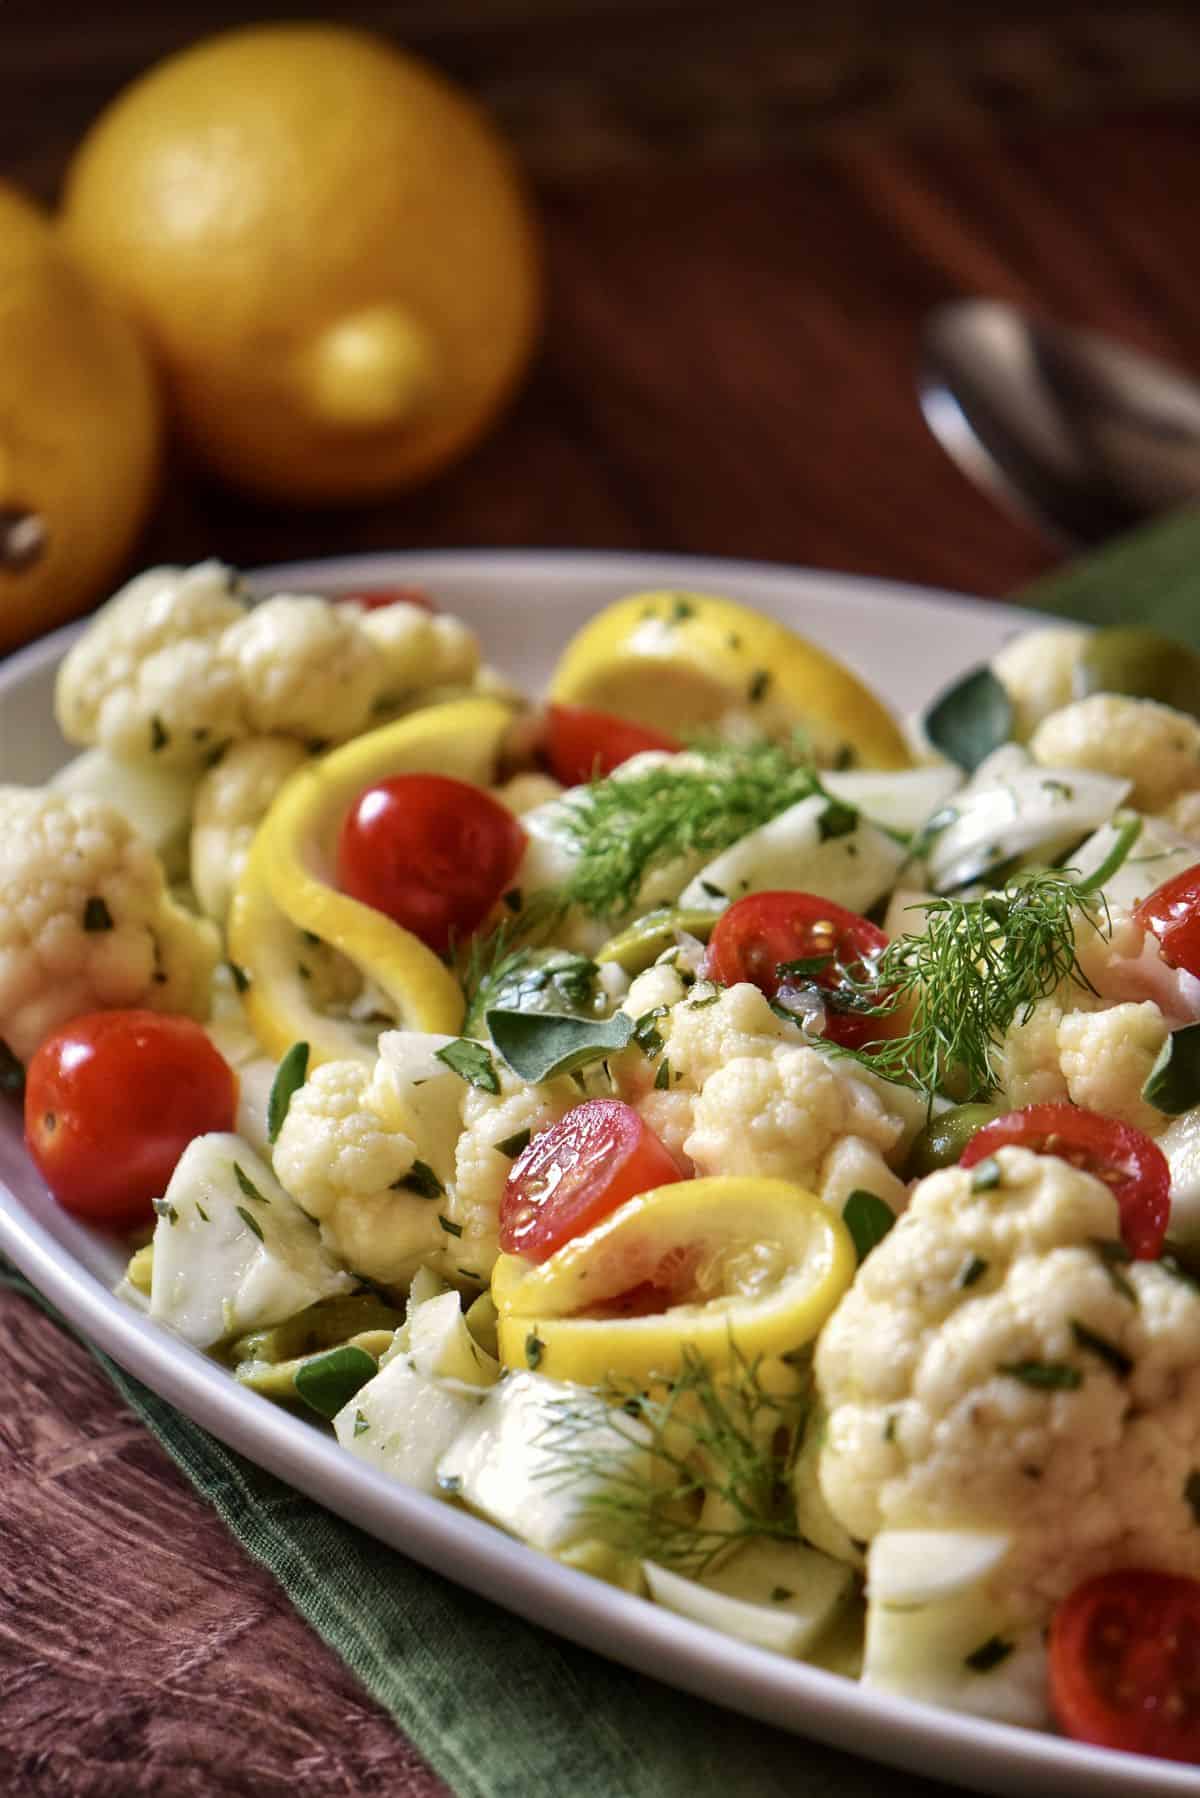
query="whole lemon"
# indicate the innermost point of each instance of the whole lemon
(79, 430)
(328, 248)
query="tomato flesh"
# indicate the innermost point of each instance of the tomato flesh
(373, 599)
(760, 935)
(1124, 1158)
(111, 1102)
(1172, 914)
(1125, 1663)
(574, 1174)
(434, 854)
(583, 745)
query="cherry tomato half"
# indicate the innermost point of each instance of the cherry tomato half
(573, 1174)
(1125, 1159)
(373, 599)
(584, 745)
(761, 935)
(432, 853)
(1125, 1663)
(1172, 914)
(111, 1102)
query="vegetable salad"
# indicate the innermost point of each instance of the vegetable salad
(741, 1146)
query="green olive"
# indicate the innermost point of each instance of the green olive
(644, 941)
(1142, 664)
(944, 1138)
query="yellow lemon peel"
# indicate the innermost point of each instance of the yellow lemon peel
(770, 1260)
(286, 887)
(682, 662)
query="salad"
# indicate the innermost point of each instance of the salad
(742, 1146)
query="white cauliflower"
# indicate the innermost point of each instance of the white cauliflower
(481, 1168)
(854, 1165)
(1139, 740)
(994, 1367)
(344, 1152)
(149, 677)
(230, 803)
(1074, 1047)
(1183, 814)
(1106, 1057)
(1037, 671)
(778, 1116)
(306, 669)
(420, 649)
(86, 922)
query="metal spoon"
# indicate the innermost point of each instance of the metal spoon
(1085, 436)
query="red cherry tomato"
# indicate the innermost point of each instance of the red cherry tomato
(584, 745)
(1125, 1663)
(1126, 1160)
(111, 1102)
(1172, 913)
(373, 599)
(434, 854)
(760, 934)
(573, 1174)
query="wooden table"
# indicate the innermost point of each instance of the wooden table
(737, 276)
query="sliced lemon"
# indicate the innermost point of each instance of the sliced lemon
(683, 662)
(287, 887)
(760, 1264)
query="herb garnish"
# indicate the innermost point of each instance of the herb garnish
(247, 1185)
(290, 1076)
(724, 1435)
(329, 1381)
(96, 915)
(471, 1062)
(621, 828)
(868, 1219)
(251, 1222)
(514, 1145)
(989, 1654)
(540, 1045)
(421, 1180)
(1094, 1343)
(1044, 1376)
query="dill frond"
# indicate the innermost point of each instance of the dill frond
(621, 828)
(493, 953)
(722, 1438)
(979, 966)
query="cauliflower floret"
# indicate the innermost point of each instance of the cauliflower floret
(149, 677)
(86, 922)
(345, 1161)
(779, 1115)
(307, 668)
(1106, 1057)
(1037, 671)
(1026, 1064)
(231, 801)
(987, 1371)
(481, 1167)
(1183, 814)
(1155, 747)
(853, 1165)
(418, 649)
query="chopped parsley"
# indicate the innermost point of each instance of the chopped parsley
(989, 1654)
(1044, 1376)
(247, 1185)
(471, 1062)
(1095, 1344)
(159, 735)
(971, 1270)
(868, 1219)
(451, 1228)
(516, 1144)
(290, 1076)
(251, 1222)
(986, 1175)
(96, 915)
(662, 1075)
(535, 1348)
(422, 1180)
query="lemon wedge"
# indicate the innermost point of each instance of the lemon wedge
(683, 662)
(286, 889)
(759, 1266)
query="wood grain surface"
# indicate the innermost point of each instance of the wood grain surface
(743, 233)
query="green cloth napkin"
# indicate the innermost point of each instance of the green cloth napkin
(500, 1708)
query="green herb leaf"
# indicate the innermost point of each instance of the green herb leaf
(361, 1426)
(837, 820)
(515, 1145)
(662, 1076)
(12, 1074)
(535, 1348)
(159, 737)
(540, 1045)
(1173, 1083)
(241, 979)
(1045, 1376)
(1115, 1256)
(96, 915)
(989, 1654)
(247, 1185)
(646, 1033)
(868, 1219)
(805, 967)
(970, 719)
(781, 1594)
(471, 1062)
(251, 1222)
(422, 1180)
(327, 1382)
(449, 1226)
(972, 1269)
(164, 1208)
(290, 1076)
(986, 1175)
(1116, 1358)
